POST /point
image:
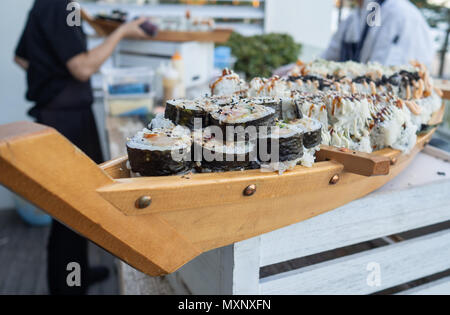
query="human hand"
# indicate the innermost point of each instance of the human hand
(133, 30)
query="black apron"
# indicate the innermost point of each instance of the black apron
(71, 114)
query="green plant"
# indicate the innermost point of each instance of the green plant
(258, 56)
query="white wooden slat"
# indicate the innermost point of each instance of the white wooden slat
(438, 287)
(210, 273)
(423, 170)
(437, 153)
(399, 263)
(134, 282)
(230, 270)
(246, 267)
(374, 216)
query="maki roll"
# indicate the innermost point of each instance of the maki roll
(312, 130)
(184, 112)
(287, 140)
(245, 114)
(290, 109)
(160, 152)
(210, 104)
(229, 84)
(315, 106)
(272, 87)
(220, 101)
(275, 103)
(214, 155)
(311, 105)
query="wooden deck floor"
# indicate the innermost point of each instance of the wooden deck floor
(23, 259)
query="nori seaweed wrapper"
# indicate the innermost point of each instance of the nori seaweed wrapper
(290, 147)
(290, 109)
(185, 116)
(312, 135)
(226, 162)
(274, 103)
(312, 139)
(297, 107)
(156, 163)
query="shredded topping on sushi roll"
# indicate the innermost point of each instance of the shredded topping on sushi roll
(272, 87)
(361, 107)
(228, 84)
(354, 101)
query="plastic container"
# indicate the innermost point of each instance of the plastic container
(223, 58)
(128, 91)
(30, 214)
(170, 81)
(178, 66)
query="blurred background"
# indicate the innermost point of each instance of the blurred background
(131, 86)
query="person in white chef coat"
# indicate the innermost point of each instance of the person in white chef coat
(391, 32)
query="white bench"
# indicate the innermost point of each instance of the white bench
(418, 198)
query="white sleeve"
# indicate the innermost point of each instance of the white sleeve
(381, 43)
(333, 52)
(417, 44)
(400, 40)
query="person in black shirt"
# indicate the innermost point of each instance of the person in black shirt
(59, 68)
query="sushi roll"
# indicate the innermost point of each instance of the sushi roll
(290, 109)
(311, 105)
(160, 152)
(212, 103)
(311, 128)
(159, 122)
(314, 106)
(214, 155)
(272, 87)
(275, 103)
(185, 112)
(229, 84)
(245, 114)
(286, 139)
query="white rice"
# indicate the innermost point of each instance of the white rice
(237, 148)
(280, 167)
(177, 139)
(161, 123)
(308, 157)
(245, 112)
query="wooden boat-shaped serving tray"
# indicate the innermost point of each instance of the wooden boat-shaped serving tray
(188, 215)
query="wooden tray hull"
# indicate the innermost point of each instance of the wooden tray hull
(211, 211)
(188, 216)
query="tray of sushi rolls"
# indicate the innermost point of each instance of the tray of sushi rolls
(250, 158)
(318, 106)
